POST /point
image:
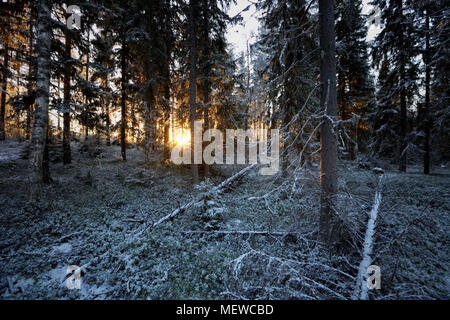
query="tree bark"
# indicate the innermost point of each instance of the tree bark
(150, 99)
(123, 122)
(108, 116)
(58, 116)
(207, 86)
(4, 88)
(427, 155)
(328, 159)
(167, 109)
(86, 136)
(167, 81)
(3, 95)
(30, 78)
(66, 116)
(40, 126)
(403, 115)
(192, 84)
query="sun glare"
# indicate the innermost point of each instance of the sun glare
(182, 137)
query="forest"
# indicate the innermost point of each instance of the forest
(144, 156)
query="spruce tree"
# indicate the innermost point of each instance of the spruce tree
(394, 54)
(354, 84)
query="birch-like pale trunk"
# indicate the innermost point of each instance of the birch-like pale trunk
(40, 125)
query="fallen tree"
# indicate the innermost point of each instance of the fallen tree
(219, 188)
(214, 190)
(242, 232)
(361, 289)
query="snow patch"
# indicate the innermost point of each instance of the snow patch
(62, 248)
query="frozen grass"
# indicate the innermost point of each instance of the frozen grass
(96, 206)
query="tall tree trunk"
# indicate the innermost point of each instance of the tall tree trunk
(207, 85)
(150, 100)
(18, 93)
(123, 121)
(192, 83)
(167, 110)
(403, 115)
(40, 126)
(167, 85)
(427, 155)
(3, 95)
(106, 102)
(328, 102)
(86, 136)
(58, 116)
(66, 116)
(167, 81)
(4, 87)
(249, 90)
(30, 78)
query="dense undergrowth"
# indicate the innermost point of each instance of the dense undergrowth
(97, 211)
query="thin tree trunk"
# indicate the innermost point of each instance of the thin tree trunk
(86, 137)
(403, 115)
(167, 110)
(167, 84)
(249, 92)
(192, 84)
(40, 126)
(427, 155)
(207, 88)
(3, 95)
(58, 116)
(66, 116)
(19, 133)
(328, 159)
(4, 88)
(123, 123)
(30, 79)
(108, 116)
(150, 101)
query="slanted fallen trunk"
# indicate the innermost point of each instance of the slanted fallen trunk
(217, 188)
(241, 233)
(179, 210)
(361, 285)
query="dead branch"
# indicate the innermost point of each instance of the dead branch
(216, 189)
(240, 232)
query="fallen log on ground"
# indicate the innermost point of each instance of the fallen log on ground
(361, 290)
(242, 232)
(217, 188)
(181, 209)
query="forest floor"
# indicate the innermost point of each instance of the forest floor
(97, 211)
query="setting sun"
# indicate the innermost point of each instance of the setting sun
(182, 137)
